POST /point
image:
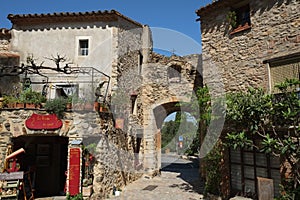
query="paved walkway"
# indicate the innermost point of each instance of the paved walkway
(178, 181)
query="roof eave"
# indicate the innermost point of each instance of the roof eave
(105, 15)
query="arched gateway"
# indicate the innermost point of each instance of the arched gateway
(158, 90)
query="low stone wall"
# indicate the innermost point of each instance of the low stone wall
(114, 153)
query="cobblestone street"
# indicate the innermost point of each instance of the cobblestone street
(178, 180)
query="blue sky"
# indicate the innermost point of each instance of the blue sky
(173, 23)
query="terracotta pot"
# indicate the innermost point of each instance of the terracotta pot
(29, 105)
(20, 105)
(96, 106)
(11, 105)
(69, 106)
(103, 108)
(1, 102)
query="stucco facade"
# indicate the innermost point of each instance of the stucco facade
(90, 39)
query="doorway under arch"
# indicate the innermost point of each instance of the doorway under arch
(178, 132)
(160, 114)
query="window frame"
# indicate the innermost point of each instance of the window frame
(83, 49)
(79, 49)
(282, 61)
(243, 18)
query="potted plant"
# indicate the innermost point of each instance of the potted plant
(19, 104)
(96, 106)
(32, 99)
(57, 106)
(9, 101)
(231, 18)
(69, 102)
(103, 107)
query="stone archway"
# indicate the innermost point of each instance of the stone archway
(152, 136)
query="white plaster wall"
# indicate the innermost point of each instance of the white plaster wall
(42, 43)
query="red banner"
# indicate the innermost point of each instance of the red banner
(74, 171)
(43, 122)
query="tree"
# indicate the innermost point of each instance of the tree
(181, 126)
(272, 121)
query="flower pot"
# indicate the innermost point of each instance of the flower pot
(20, 105)
(30, 105)
(69, 106)
(1, 102)
(103, 108)
(11, 105)
(87, 191)
(96, 106)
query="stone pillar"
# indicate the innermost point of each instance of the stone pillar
(147, 43)
(150, 150)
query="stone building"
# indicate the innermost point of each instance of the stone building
(88, 39)
(250, 44)
(141, 89)
(7, 58)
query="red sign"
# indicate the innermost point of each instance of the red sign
(43, 122)
(74, 171)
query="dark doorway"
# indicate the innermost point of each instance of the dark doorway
(45, 158)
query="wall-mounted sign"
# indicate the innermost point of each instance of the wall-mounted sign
(43, 122)
(180, 138)
(74, 171)
(120, 123)
(12, 175)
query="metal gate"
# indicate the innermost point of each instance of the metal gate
(247, 165)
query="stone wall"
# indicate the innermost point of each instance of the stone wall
(236, 60)
(149, 81)
(7, 59)
(5, 37)
(114, 150)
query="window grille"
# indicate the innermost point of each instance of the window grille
(83, 47)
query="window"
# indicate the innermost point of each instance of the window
(243, 16)
(66, 91)
(280, 71)
(83, 47)
(174, 74)
(140, 63)
(239, 18)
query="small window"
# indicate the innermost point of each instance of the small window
(83, 47)
(174, 74)
(239, 18)
(140, 63)
(243, 16)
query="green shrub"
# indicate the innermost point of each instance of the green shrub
(57, 106)
(30, 96)
(76, 197)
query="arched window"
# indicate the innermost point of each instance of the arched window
(174, 74)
